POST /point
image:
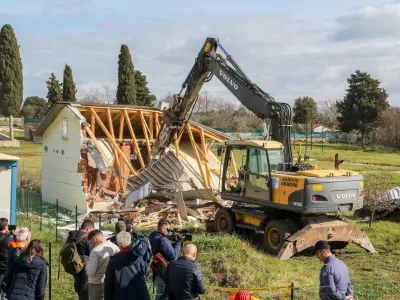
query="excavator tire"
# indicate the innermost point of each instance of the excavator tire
(276, 232)
(224, 221)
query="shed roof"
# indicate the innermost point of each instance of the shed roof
(6, 157)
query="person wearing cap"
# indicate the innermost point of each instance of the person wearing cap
(335, 281)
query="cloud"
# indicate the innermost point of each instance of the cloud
(369, 23)
(287, 58)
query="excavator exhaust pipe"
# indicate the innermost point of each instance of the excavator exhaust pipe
(324, 229)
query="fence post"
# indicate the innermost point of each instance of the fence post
(76, 217)
(41, 212)
(56, 220)
(50, 271)
(292, 291)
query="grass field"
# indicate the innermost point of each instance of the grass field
(225, 264)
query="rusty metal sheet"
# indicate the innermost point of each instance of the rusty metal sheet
(161, 172)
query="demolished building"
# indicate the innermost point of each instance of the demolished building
(92, 154)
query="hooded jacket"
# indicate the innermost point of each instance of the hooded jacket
(4, 240)
(27, 280)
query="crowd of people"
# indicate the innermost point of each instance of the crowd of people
(109, 269)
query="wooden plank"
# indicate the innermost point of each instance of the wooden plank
(235, 172)
(133, 115)
(145, 134)
(151, 126)
(121, 126)
(210, 145)
(110, 124)
(113, 142)
(135, 144)
(157, 124)
(203, 146)
(194, 146)
(93, 124)
(97, 144)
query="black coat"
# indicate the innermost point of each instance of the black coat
(27, 281)
(184, 280)
(4, 240)
(126, 277)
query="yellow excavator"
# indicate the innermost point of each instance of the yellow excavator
(290, 202)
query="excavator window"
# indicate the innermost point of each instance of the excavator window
(276, 159)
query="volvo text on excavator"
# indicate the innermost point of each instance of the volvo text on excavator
(290, 202)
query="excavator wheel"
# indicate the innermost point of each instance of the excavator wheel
(224, 221)
(276, 232)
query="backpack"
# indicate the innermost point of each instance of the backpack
(140, 246)
(159, 266)
(70, 258)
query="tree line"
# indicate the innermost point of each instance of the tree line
(364, 110)
(132, 86)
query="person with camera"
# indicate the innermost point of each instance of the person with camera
(160, 244)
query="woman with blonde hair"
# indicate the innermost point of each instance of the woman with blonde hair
(28, 276)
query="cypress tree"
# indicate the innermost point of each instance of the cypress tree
(126, 91)
(143, 95)
(54, 90)
(11, 77)
(69, 91)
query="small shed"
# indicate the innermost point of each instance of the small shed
(8, 187)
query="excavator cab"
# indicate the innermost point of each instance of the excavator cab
(252, 180)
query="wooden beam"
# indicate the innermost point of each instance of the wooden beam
(135, 144)
(157, 124)
(194, 146)
(210, 145)
(176, 145)
(235, 172)
(151, 126)
(145, 134)
(113, 141)
(133, 115)
(93, 124)
(110, 123)
(97, 144)
(116, 116)
(119, 171)
(121, 126)
(203, 146)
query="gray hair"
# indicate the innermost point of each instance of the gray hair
(22, 235)
(124, 239)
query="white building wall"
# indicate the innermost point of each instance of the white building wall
(60, 179)
(321, 129)
(5, 192)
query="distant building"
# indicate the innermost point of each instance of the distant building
(320, 128)
(162, 105)
(31, 124)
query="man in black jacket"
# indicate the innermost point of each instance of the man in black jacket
(84, 248)
(184, 278)
(4, 240)
(126, 273)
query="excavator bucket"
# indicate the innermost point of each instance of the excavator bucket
(327, 229)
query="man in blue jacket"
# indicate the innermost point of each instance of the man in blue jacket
(161, 244)
(335, 281)
(126, 273)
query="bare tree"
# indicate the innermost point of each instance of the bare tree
(105, 95)
(328, 113)
(377, 198)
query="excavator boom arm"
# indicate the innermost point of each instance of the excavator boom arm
(209, 63)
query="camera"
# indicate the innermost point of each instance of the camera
(183, 235)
